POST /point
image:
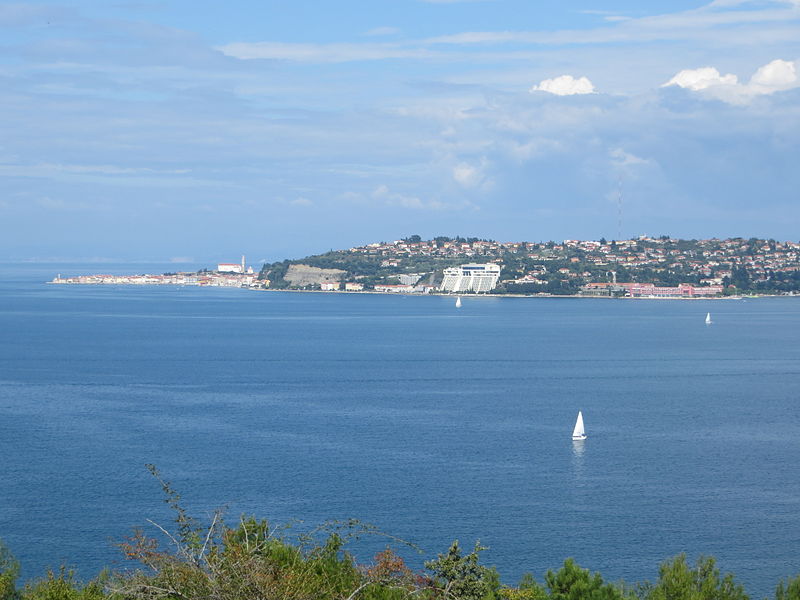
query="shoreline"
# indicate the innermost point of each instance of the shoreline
(447, 295)
(531, 296)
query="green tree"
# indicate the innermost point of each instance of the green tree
(571, 582)
(740, 278)
(679, 581)
(528, 589)
(9, 571)
(63, 586)
(789, 590)
(461, 577)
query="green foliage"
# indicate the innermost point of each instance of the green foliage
(528, 589)
(243, 562)
(275, 272)
(9, 571)
(462, 577)
(255, 561)
(666, 262)
(679, 581)
(571, 582)
(252, 561)
(63, 586)
(789, 590)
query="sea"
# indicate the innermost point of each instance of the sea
(431, 423)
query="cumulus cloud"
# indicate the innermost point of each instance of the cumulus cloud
(701, 79)
(775, 76)
(565, 85)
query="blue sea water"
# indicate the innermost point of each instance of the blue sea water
(431, 422)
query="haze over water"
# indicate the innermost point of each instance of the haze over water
(432, 422)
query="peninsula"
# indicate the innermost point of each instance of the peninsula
(640, 267)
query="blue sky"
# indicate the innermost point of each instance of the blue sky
(158, 130)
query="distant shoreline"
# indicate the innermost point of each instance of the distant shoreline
(535, 296)
(445, 295)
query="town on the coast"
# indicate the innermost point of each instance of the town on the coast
(644, 267)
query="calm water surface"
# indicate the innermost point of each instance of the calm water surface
(432, 423)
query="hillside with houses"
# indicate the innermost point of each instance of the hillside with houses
(644, 266)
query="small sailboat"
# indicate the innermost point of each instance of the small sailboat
(578, 433)
(458, 302)
(708, 319)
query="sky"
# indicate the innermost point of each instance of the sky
(200, 130)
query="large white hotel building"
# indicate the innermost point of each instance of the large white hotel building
(471, 278)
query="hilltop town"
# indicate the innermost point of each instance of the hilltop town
(644, 266)
(640, 267)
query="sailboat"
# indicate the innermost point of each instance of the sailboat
(458, 302)
(578, 433)
(708, 318)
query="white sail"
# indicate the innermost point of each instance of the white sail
(708, 318)
(458, 302)
(578, 433)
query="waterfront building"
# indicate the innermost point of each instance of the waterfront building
(471, 277)
(232, 267)
(229, 268)
(650, 290)
(395, 288)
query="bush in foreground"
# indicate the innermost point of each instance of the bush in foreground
(253, 561)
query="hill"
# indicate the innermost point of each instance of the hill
(738, 265)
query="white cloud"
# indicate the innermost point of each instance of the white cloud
(701, 79)
(467, 176)
(386, 196)
(322, 53)
(730, 3)
(621, 158)
(775, 76)
(565, 85)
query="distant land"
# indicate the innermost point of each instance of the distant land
(640, 267)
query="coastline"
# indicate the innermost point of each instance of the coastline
(532, 296)
(448, 294)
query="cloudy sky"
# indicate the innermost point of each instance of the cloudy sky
(156, 130)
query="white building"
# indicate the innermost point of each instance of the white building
(232, 267)
(471, 278)
(409, 278)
